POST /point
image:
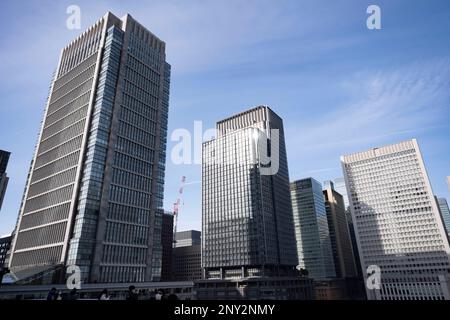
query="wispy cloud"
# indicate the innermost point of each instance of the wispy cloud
(383, 104)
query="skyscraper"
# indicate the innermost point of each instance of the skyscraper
(4, 158)
(187, 256)
(311, 229)
(340, 187)
(247, 215)
(445, 213)
(397, 223)
(167, 245)
(95, 193)
(341, 244)
(187, 238)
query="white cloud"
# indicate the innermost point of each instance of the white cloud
(385, 103)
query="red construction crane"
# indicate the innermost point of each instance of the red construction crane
(176, 208)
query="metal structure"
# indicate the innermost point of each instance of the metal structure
(176, 208)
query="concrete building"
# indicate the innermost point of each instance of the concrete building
(94, 197)
(187, 238)
(4, 158)
(187, 263)
(399, 232)
(5, 245)
(445, 213)
(311, 229)
(341, 244)
(247, 218)
(264, 288)
(167, 246)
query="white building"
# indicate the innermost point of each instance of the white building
(397, 223)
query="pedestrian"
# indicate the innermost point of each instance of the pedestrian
(73, 294)
(104, 295)
(51, 296)
(132, 294)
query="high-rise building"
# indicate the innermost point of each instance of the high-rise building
(167, 245)
(400, 235)
(341, 244)
(187, 238)
(5, 243)
(340, 187)
(4, 158)
(311, 229)
(247, 215)
(187, 256)
(94, 197)
(445, 213)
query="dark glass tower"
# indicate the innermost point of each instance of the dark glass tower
(247, 222)
(95, 193)
(4, 158)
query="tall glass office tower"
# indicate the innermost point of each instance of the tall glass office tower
(341, 244)
(95, 192)
(397, 223)
(247, 215)
(311, 229)
(445, 213)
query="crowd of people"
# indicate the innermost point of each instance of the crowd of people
(133, 294)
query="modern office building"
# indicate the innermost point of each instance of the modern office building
(4, 158)
(267, 288)
(340, 187)
(311, 229)
(187, 263)
(397, 223)
(95, 192)
(187, 238)
(5, 244)
(167, 246)
(445, 213)
(341, 244)
(187, 256)
(247, 218)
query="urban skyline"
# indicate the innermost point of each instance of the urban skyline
(98, 206)
(292, 89)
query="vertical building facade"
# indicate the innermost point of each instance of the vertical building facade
(247, 215)
(341, 244)
(311, 229)
(5, 244)
(340, 187)
(4, 158)
(167, 245)
(187, 238)
(445, 213)
(187, 256)
(398, 228)
(95, 190)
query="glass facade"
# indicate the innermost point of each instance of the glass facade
(445, 212)
(107, 117)
(311, 229)
(247, 225)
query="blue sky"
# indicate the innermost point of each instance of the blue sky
(339, 87)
